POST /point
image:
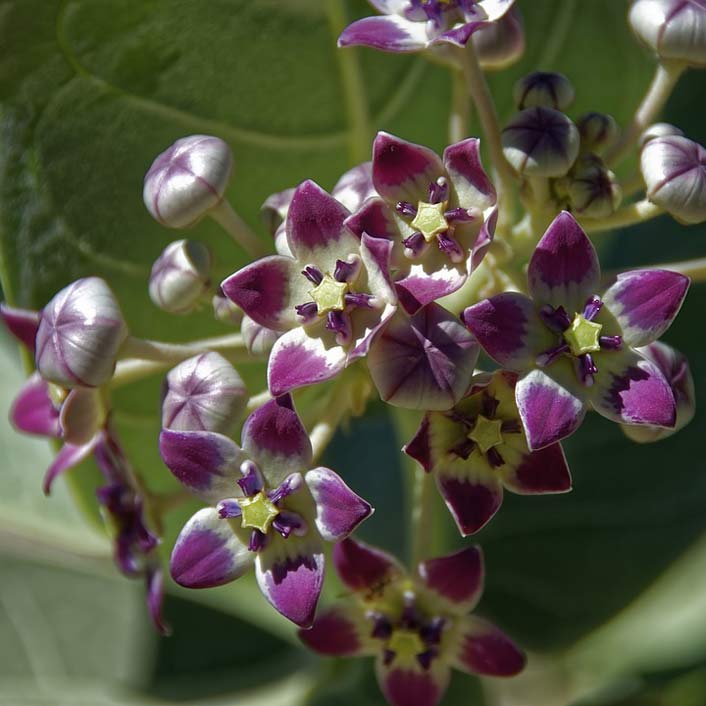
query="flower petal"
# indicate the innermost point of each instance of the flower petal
(645, 302)
(268, 290)
(564, 269)
(374, 217)
(355, 186)
(82, 415)
(275, 438)
(154, 580)
(485, 649)
(364, 568)
(338, 509)
(391, 33)
(274, 211)
(410, 685)
(539, 472)
(469, 181)
(509, 329)
(631, 390)
(340, 631)
(402, 171)
(423, 362)
(430, 280)
(549, 409)
(484, 239)
(419, 447)
(456, 579)
(205, 462)
(21, 323)
(298, 359)
(33, 412)
(472, 500)
(290, 574)
(69, 456)
(208, 553)
(315, 227)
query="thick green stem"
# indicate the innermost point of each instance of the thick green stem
(422, 522)
(160, 352)
(460, 108)
(630, 215)
(666, 76)
(238, 229)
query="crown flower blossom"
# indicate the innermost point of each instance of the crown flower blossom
(576, 349)
(438, 212)
(418, 628)
(266, 509)
(330, 297)
(478, 447)
(414, 25)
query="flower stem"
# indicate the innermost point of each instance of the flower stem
(460, 108)
(238, 230)
(487, 115)
(634, 213)
(421, 516)
(127, 371)
(160, 352)
(665, 78)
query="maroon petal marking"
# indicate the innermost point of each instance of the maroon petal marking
(413, 686)
(539, 472)
(472, 504)
(390, 33)
(456, 578)
(419, 448)
(486, 650)
(362, 567)
(33, 412)
(334, 633)
(471, 184)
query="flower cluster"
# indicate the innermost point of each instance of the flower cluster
(396, 281)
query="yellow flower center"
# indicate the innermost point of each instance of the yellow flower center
(583, 335)
(406, 644)
(487, 433)
(258, 512)
(430, 219)
(329, 295)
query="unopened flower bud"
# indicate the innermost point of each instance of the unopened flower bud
(187, 180)
(204, 393)
(673, 29)
(502, 43)
(593, 190)
(541, 142)
(674, 170)
(544, 89)
(597, 130)
(180, 276)
(226, 311)
(659, 130)
(80, 333)
(274, 211)
(675, 368)
(258, 338)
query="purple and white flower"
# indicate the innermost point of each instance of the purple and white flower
(439, 213)
(266, 509)
(415, 25)
(416, 627)
(331, 296)
(478, 447)
(576, 349)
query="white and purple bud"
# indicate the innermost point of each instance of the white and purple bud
(660, 130)
(541, 142)
(82, 414)
(80, 334)
(180, 276)
(675, 368)
(545, 90)
(674, 29)
(226, 311)
(674, 170)
(258, 338)
(204, 393)
(597, 130)
(502, 43)
(187, 180)
(593, 190)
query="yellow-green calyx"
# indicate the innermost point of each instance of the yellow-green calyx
(583, 335)
(406, 644)
(329, 295)
(487, 433)
(258, 512)
(430, 220)
(57, 394)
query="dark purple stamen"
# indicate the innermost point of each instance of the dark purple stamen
(287, 522)
(406, 209)
(548, 357)
(382, 627)
(511, 426)
(252, 481)
(388, 657)
(291, 484)
(415, 243)
(346, 271)
(228, 509)
(360, 300)
(612, 343)
(258, 541)
(307, 311)
(458, 215)
(340, 323)
(425, 659)
(438, 191)
(449, 246)
(592, 307)
(556, 319)
(464, 449)
(313, 274)
(587, 369)
(488, 405)
(494, 458)
(431, 633)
